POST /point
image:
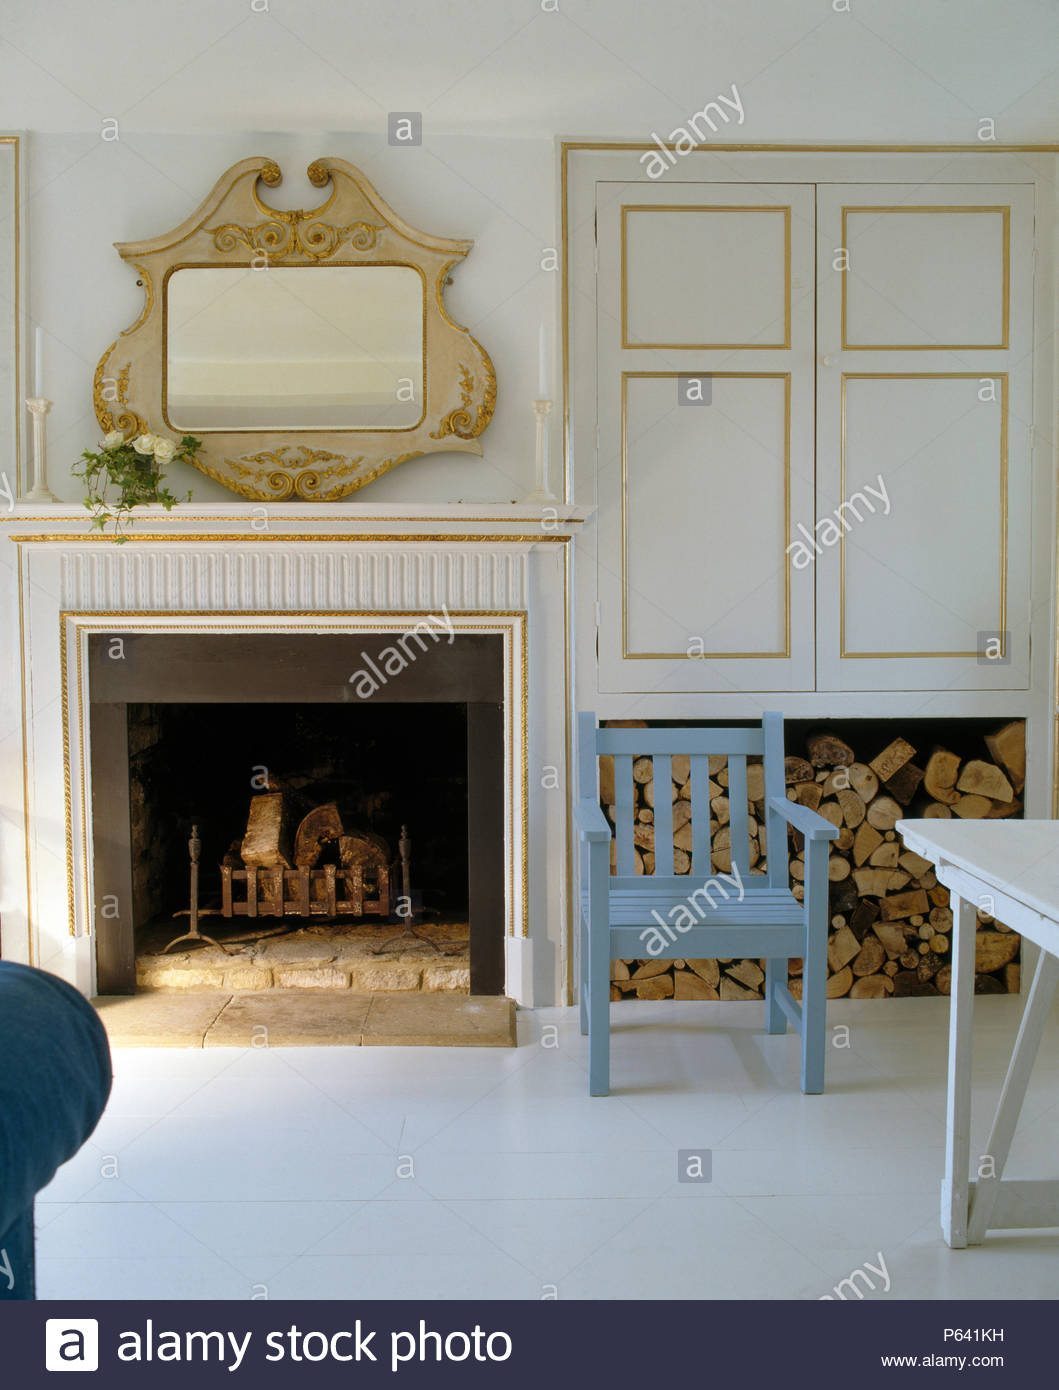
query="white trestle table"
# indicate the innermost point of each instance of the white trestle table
(1009, 869)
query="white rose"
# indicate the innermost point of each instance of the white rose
(113, 439)
(144, 444)
(164, 449)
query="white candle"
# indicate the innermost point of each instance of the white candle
(38, 362)
(542, 365)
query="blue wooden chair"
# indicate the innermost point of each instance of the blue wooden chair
(701, 915)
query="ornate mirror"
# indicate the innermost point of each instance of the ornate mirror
(309, 350)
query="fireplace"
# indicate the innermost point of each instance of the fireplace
(378, 751)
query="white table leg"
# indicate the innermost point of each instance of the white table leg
(1031, 1029)
(954, 1188)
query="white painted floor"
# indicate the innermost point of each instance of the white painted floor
(281, 1173)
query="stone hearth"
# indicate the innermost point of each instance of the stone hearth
(331, 956)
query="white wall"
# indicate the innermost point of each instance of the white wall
(196, 85)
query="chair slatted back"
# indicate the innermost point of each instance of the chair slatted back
(662, 745)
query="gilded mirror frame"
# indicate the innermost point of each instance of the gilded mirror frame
(235, 227)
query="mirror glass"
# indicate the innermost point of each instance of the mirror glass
(294, 347)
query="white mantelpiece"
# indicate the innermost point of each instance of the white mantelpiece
(292, 568)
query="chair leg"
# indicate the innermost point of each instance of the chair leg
(599, 1020)
(814, 970)
(775, 974)
(582, 989)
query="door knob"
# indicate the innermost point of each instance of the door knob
(828, 359)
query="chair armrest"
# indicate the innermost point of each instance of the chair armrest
(592, 824)
(812, 825)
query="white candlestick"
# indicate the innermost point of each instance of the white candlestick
(542, 364)
(542, 494)
(38, 362)
(39, 491)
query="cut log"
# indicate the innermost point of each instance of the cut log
(844, 843)
(872, 883)
(866, 841)
(322, 826)
(939, 779)
(999, 809)
(989, 984)
(984, 779)
(885, 857)
(972, 807)
(810, 794)
(914, 864)
(872, 987)
(892, 936)
(994, 949)
(797, 770)
(680, 767)
(732, 989)
(863, 781)
(900, 905)
(827, 750)
(1008, 747)
(687, 985)
(643, 770)
(865, 915)
(884, 813)
(838, 868)
(904, 784)
(755, 782)
(852, 805)
(907, 984)
(936, 811)
(606, 780)
(871, 956)
(748, 973)
(707, 970)
(841, 949)
(364, 848)
(837, 984)
(266, 844)
(657, 987)
(648, 968)
(832, 811)
(892, 759)
(619, 970)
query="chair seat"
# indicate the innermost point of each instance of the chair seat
(637, 907)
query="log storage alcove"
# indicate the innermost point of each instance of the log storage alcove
(891, 924)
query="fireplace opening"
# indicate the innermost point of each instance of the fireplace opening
(337, 841)
(302, 791)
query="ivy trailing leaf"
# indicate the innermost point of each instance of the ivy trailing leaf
(123, 474)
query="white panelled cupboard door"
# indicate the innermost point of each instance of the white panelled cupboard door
(924, 407)
(705, 449)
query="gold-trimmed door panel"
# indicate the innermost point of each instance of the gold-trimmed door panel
(924, 404)
(704, 339)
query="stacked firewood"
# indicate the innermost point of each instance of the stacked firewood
(891, 925)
